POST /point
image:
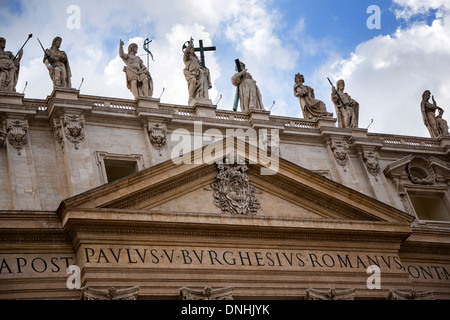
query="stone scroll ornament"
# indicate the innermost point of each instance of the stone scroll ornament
(340, 152)
(74, 129)
(233, 193)
(371, 158)
(157, 135)
(16, 131)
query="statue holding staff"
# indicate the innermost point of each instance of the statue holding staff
(249, 94)
(347, 109)
(57, 64)
(139, 80)
(9, 67)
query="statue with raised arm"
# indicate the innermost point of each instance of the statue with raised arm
(57, 64)
(249, 94)
(311, 107)
(347, 109)
(435, 123)
(197, 77)
(139, 80)
(9, 68)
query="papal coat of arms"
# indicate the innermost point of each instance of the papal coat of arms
(233, 193)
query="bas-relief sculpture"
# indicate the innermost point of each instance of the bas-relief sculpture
(9, 68)
(57, 64)
(311, 107)
(138, 78)
(233, 193)
(198, 77)
(435, 124)
(249, 94)
(347, 109)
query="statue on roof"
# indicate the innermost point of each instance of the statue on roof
(347, 109)
(311, 107)
(435, 123)
(249, 94)
(9, 68)
(57, 64)
(197, 75)
(139, 80)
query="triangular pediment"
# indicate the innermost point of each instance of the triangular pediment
(187, 187)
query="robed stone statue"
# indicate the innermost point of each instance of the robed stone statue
(435, 124)
(9, 68)
(347, 109)
(249, 94)
(139, 80)
(198, 77)
(57, 64)
(311, 107)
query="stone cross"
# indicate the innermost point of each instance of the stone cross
(202, 50)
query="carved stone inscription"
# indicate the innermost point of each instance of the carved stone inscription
(256, 259)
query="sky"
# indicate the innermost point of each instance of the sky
(387, 58)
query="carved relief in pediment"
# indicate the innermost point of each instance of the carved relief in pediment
(233, 193)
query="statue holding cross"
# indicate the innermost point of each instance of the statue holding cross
(196, 73)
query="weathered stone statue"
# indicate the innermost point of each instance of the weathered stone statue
(435, 124)
(348, 112)
(197, 77)
(311, 107)
(57, 64)
(249, 94)
(139, 80)
(9, 68)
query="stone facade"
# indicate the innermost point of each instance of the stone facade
(103, 184)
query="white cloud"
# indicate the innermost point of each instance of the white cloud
(388, 74)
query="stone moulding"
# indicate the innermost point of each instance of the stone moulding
(412, 295)
(330, 294)
(207, 293)
(112, 293)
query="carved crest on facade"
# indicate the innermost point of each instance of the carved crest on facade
(74, 129)
(207, 293)
(340, 152)
(157, 135)
(233, 193)
(16, 131)
(371, 158)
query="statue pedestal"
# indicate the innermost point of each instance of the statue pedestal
(65, 93)
(204, 108)
(326, 122)
(147, 102)
(11, 98)
(258, 114)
